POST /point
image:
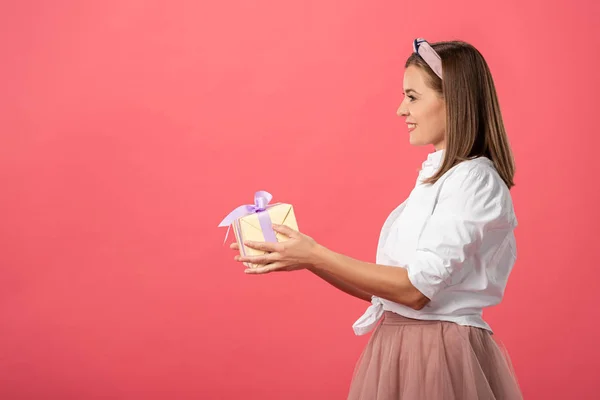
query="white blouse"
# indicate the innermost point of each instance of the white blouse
(456, 240)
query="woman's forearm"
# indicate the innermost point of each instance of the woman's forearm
(340, 284)
(387, 282)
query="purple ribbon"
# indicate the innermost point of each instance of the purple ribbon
(261, 204)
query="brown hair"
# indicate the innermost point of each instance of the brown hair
(474, 125)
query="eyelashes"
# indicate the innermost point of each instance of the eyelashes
(410, 97)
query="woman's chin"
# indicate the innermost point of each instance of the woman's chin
(414, 140)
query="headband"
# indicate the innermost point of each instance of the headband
(429, 55)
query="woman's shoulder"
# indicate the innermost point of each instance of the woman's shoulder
(476, 187)
(478, 177)
(480, 169)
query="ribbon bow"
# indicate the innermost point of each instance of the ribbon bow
(261, 204)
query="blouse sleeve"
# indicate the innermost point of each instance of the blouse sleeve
(471, 203)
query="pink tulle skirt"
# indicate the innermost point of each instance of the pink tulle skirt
(413, 359)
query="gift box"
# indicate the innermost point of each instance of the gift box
(253, 222)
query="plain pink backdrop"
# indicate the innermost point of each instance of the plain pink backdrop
(130, 128)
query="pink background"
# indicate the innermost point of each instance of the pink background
(130, 128)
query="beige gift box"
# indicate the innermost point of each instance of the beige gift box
(246, 221)
(248, 228)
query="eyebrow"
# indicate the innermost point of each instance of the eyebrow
(411, 90)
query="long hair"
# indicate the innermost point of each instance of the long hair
(474, 125)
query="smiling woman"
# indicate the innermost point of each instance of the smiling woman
(444, 254)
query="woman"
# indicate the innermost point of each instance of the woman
(443, 255)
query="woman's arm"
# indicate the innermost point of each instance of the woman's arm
(332, 280)
(390, 283)
(340, 284)
(349, 275)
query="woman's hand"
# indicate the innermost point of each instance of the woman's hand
(297, 252)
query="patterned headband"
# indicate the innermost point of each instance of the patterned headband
(429, 55)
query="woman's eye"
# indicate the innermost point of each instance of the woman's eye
(412, 98)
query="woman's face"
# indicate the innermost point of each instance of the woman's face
(424, 110)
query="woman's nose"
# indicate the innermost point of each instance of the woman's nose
(402, 111)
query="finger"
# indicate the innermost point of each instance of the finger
(286, 230)
(260, 259)
(234, 246)
(264, 246)
(264, 269)
(257, 270)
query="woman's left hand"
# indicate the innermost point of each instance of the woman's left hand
(298, 249)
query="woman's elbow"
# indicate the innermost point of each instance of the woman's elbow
(419, 302)
(413, 299)
(407, 294)
(416, 299)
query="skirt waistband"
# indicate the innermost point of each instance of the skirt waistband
(391, 318)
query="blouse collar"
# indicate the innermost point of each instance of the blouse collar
(432, 163)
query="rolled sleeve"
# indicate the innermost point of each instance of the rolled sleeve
(470, 203)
